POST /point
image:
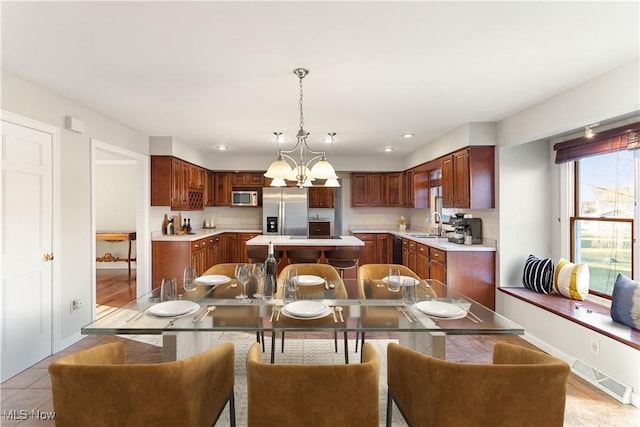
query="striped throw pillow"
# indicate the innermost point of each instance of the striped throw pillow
(572, 280)
(538, 275)
(625, 302)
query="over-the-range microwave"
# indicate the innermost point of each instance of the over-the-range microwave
(244, 198)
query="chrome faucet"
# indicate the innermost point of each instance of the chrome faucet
(437, 215)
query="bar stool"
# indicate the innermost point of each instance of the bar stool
(342, 259)
(260, 254)
(304, 256)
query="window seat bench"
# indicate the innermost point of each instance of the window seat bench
(589, 314)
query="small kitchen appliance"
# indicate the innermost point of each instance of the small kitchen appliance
(464, 227)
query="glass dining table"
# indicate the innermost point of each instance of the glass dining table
(209, 310)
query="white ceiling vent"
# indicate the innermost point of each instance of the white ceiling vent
(614, 388)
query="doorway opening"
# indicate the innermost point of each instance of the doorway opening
(120, 200)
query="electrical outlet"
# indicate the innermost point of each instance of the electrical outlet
(595, 347)
(76, 304)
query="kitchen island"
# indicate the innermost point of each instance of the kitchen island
(285, 243)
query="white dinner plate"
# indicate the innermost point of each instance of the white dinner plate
(442, 310)
(173, 308)
(320, 315)
(309, 280)
(306, 308)
(402, 279)
(213, 280)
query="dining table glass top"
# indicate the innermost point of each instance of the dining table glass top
(215, 308)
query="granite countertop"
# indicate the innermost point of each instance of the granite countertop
(263, 240)
(199, 234)
(436, 242)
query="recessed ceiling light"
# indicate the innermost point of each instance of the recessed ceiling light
(222, 148)
(388, 149)
(408, 135)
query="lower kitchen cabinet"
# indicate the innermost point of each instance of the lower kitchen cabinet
(377, 249)
(170, 258)
(471, 273)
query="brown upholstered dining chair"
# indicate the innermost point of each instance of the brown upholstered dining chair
(96, 387)
(313, 395)
(376, 272)
(303, 256)
(327, 272)
(522, 387)
(342, 259)
(260, 253)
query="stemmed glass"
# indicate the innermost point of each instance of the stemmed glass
(258, 273)
(189, 279)
(243, 274)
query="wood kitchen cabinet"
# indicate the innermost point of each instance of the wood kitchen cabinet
(368, 190)
(469, 272)
(229, 246)
(468, 178)
(421, 188)
(321, 197)
(241, 246)
(209, 189)
(377, 249)
(368, 251)
(384, 249)
(222, 189)
(408, 186)
(319, 228)
(422, 260)
(177, 184)
(394, 190)
(247, 179)
(170, 258)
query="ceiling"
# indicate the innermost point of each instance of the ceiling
(220, 73)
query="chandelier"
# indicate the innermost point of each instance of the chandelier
(301, 164)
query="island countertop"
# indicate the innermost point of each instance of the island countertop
(263, 240)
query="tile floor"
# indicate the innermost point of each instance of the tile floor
(30, 391)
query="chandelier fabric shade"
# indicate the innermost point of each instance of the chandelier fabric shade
(301, 164)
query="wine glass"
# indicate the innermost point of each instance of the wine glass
(258, 273)
(243, 274)
(168, 291)
(189, 279)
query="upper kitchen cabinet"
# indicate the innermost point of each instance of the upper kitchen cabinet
(222, 189)
(468, 177)
(172, 184)
(247, 179)
(209, 188)
(368, 190)
(408, 196)
(395, 191)
(321, 197)
(421, 187)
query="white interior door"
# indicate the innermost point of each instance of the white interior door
(27, 226)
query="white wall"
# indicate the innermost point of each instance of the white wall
(530, 211)
(115, 207)
(27, 99)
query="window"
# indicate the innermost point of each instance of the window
(603, 216)
(603, 225)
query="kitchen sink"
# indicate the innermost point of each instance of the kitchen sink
(422, 235)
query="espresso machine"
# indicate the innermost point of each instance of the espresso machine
(466, 230)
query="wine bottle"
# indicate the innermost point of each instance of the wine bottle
(270, 273)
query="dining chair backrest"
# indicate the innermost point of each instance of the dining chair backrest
(260, 253)
(303, 256)
(522, 387)
(97, 387)
(325, 271)
(286, 395)
(342, 258)
(379, 271)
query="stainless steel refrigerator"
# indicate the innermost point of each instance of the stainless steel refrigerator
(285, 211)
